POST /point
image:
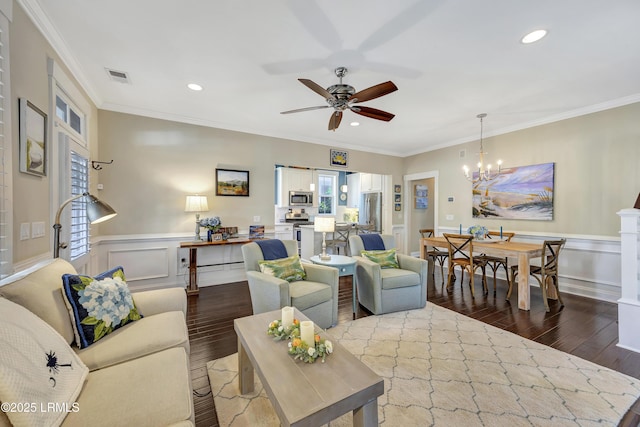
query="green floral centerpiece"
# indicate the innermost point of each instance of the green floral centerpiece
(299, 349)
(478, 231)
(279, 332)
(308, 354)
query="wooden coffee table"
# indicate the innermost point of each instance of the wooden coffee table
(305, 394)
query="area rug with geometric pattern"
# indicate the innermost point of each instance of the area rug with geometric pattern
(441, 368)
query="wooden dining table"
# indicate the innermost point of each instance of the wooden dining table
(523, 252)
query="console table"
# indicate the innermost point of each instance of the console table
(192, 289)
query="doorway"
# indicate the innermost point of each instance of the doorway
(421, 207)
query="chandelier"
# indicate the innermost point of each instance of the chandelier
(484, 171)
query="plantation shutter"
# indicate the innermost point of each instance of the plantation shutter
(6, 192)
(79, 234)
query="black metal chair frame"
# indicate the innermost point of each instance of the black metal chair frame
(547, 272)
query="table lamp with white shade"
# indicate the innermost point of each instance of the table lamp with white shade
(196, 204)
(324, 224)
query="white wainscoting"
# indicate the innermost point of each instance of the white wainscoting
(154, 261)
(589, 265)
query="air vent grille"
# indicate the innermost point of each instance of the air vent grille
(118, 76)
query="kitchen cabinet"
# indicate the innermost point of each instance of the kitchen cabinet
(284, 231)
(353, 193)
(359, 183)
(292, 179)
(370, 182)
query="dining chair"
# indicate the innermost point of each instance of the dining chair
(434, 253)
(496, 262)
(545, 273)
(340, 239)
(364, 228)
(461, 254)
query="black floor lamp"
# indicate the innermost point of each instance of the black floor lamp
(97, 211)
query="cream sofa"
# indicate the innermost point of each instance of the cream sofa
(139, 374)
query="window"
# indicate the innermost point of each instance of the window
(70, 159)
(69, 114)
(326, 194)
(79, 232)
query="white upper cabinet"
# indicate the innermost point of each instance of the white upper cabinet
(292, 179)
(370, 182)
(353, 190)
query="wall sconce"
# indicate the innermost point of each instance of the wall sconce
(196, 204)
(97, 212)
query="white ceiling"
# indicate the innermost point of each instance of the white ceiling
(451, 59)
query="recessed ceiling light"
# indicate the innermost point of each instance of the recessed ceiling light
(355, 123)
(194, 86)
(534, 36)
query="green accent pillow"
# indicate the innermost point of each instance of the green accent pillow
(98, 305)
(289, 269)
(386, 258)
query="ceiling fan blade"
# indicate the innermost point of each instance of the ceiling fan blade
(373, 113)
(316, 88)
(335, 120)
(299, 110)
(374, 92)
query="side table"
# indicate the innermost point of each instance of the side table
(346, 267)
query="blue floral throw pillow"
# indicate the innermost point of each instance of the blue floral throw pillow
(98, 305)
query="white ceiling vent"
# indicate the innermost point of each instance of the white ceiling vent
(118, 76)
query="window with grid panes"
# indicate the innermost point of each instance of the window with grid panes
(326, 194)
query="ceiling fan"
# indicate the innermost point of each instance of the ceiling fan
(341, 97)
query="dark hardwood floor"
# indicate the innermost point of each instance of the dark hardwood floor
(584, 327)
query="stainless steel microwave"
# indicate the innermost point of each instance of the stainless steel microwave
(300, 198)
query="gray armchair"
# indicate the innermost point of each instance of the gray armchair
(385, 290)
(316, 297)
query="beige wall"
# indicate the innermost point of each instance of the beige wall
(157, 163)
(29, 79)
(597, 173)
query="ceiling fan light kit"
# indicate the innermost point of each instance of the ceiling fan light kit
(342, 96)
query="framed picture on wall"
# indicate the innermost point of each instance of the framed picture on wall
(421, 197)
(398, 207)
(338, 158)
(33, 139)
(230, 182)
(398, 198)
(397, 188)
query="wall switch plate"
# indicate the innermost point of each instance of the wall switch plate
(449, 217)
(37, 229)
(256, 218)
(25, 231)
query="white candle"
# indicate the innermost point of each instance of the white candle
(306, 332)
(287, 316)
